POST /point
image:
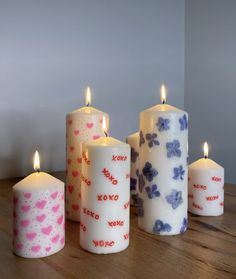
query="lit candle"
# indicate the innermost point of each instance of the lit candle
(162, 191)
(104, 224)
(206, 187)
(81, 125)
(133, 141)
(38, 214)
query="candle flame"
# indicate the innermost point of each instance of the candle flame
(163, 94)
(104, 125)
(88, 97)
(205, 149)
(36, 161)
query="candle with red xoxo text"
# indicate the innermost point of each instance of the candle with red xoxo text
(38, 215)
(206, 187)
(105, 195)
(133, 141)
(81, 125)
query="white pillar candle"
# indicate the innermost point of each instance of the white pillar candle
(133, 141)
(105, 194)
(38, 216)
(81, 125)
(162, 201)
(206, 187)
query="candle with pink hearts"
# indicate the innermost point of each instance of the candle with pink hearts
(81, 125)
(38, 215)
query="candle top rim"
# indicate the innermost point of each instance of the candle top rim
(165, 108)
(205, 163)
(86, 110)
(42, 181)
(106, 142)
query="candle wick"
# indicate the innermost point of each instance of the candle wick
(106, 134)
(205, 157)
(38, 170)
(163, 102)
(87, 105)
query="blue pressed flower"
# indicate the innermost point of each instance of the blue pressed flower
(134, 198)
(133, 183)
(134, 155)
(175, 198)
(152, 191)
(184, 225)
(152, 139)
(159, 227)
(163, 124)
(141, 138)
(141, 183)
(183, 121)
(140, 209)
(173, 149)
(179, 173)
(149, 172)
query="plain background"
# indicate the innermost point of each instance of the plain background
(50, 50)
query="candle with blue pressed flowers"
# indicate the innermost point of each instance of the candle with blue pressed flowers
(162, 192)
(133, 141)
(206, 187)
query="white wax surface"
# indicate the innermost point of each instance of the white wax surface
(206, 188)
(133, 141)
(105, 196)
(162, 201)
(81, 125)
(38, 216)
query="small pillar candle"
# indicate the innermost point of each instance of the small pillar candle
(133, 141)
(105, 195)
(38, 215)
(81, 125)
(206, 187)
(162, 201)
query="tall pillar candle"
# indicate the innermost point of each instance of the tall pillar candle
(206, 187)
(162, 201)
(133, 141)
(38, 216)
(104, 225)
(81, 125)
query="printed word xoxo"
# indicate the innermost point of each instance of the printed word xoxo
(107, 197)
(190, 196)
(87, 161)
(119, 158)
(199, 186)
(90, 213)
(216, 179)
(83, 227)
(117, 223)
(197, 206)
(108, 175)
(212, 198)
(126, 205)
(85, 180)
(126, 236)
(102, 243)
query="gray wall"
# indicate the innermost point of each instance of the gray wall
(210, 80)
(51, 49)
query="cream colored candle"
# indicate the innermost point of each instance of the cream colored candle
(105, 194)
(38, 215)
(162, 201)
(81, 125)
(206, 187)
(133, 141)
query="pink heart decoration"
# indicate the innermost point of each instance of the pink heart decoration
(76, 132)
(75, 173)
(60, 220)
(19, 246)
(41, 204)
(25, 208)
(70, 121)
(48, 248)
(96, 137)
(55, 238)
(35, 248)
(25, 223)
(89, 125)
(27, 195)
(79, 160)
(55, 208)
(47, 230)
(62, 240)
(40, 218)
(31, 235)
(69, 161)
(54, 195)
(72, 148)
(75, 207)
(70, 189)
